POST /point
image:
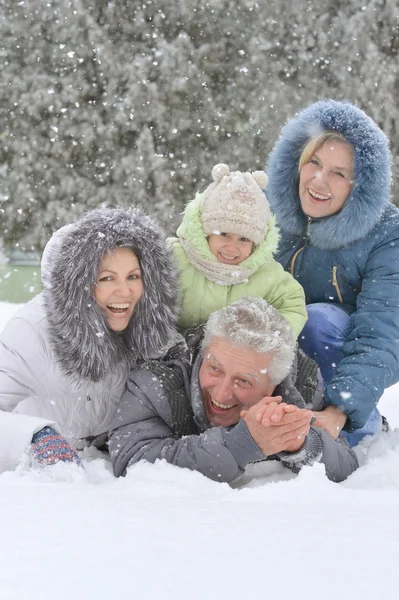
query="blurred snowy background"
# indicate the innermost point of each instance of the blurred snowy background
(135, 101)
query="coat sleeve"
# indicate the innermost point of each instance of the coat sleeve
(23, 358)
(287, 296)
(21, 355)
(143, 430)
(371, 350)
(339, 460)
(16, 432)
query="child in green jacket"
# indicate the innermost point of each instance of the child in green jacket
(224, 250)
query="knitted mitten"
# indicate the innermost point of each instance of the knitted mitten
(49, 447)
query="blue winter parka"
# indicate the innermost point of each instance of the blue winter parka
(350, 258)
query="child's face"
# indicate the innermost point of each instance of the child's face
(230, 248)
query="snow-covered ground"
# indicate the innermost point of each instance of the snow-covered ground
(164, 532)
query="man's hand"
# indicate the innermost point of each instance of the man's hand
(277, 426)
(331, 420)
(262, 404)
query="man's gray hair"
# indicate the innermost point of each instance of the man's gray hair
(252, 323)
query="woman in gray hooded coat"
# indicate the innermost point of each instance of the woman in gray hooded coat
(109, 301)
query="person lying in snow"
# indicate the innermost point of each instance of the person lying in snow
(109, 299)
(329, 187)
(246, 395)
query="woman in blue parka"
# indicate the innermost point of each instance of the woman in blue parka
(329, 187)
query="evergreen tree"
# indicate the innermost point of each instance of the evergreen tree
(125, 101)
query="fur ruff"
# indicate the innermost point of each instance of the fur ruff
(84, 345)
(372, 174)
(192, 233)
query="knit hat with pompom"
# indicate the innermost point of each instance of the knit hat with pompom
(235, 203)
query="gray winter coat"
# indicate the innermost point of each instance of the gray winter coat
(59, 362)
(161, 415)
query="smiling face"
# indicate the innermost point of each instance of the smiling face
(326, 180)
(118, 287)
(232, 379)
(230, 248)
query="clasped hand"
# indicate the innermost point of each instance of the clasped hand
(276, 426)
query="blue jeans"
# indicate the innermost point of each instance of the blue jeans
(322, 339)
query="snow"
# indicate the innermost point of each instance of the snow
(164, 532)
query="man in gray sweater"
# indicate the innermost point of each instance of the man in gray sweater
(245, 394)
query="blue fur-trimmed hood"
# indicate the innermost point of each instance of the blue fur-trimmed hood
(372, 174)
(84, 346)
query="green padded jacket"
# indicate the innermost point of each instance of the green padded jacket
(200, 296)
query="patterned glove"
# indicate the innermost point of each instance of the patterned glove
(49, 447)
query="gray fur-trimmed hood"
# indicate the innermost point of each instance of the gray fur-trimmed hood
(84, 345)
(372, 174)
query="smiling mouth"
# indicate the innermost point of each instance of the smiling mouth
(226, 257)
(318, 197)
(222, 407)
(118, 309)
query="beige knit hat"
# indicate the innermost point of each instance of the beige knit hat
(235, 203)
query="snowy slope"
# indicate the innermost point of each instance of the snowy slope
(163, 532)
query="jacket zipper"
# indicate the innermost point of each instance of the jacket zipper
(307, 241)
(294, 259)
(336, 284)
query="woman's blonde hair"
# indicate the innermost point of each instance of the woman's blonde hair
(314, 144)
